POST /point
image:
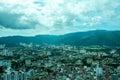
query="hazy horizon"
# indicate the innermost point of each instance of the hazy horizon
(55, 34)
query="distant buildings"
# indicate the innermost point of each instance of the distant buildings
(57, 63)
(2, 46)
(6, 52)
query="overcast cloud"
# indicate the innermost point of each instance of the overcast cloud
(33, 17)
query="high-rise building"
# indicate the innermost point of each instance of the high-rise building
(99, 71)
(22, 75)
(7, 74)
(14, 75)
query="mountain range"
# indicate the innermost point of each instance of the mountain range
(88, 38)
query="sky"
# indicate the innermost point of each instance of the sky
(56, 17)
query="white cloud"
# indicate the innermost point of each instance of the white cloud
(54, 15)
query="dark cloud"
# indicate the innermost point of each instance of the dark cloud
(12, 20)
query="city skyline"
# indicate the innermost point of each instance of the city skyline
(34, 17)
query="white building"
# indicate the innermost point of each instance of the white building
(2, 46)
(6, 52)
(99, 71)
(14, 75)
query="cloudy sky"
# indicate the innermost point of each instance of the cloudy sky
(33, 17)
